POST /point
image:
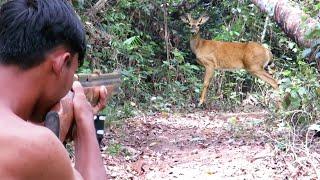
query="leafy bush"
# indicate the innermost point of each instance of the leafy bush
(300, 88)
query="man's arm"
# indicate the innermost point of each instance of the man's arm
(52, 158)
(87, 153)
(49, 158)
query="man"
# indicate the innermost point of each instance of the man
(41, 44)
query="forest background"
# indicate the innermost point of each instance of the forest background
(161, 75)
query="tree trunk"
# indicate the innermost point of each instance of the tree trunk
(294, 22)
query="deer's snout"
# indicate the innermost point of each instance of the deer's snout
(194, 29)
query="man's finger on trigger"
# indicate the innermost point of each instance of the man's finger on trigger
(103, 93)
(103, 97)
(101, 104)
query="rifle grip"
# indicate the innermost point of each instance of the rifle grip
(52, 122)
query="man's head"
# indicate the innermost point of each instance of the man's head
(43, 40)
(29, 29)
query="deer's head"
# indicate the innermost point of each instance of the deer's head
(194, 24)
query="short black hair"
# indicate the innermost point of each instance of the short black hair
(31, 28)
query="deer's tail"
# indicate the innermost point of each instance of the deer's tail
(269, 63)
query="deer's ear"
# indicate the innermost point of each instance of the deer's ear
(203, 19)
(184, 19)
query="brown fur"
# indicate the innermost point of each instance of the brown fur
(211, 54)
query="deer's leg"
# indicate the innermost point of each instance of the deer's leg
(207, 79)
(263, 75)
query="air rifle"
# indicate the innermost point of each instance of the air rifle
(60, 118)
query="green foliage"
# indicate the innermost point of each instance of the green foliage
(300, 88)
(114, 149)
(310, 7)
(85, 68)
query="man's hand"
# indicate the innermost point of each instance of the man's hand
(97, 96)
(83, 112)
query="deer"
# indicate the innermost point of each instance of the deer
(214, 55)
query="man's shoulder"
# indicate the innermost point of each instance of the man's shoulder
(38, 140)
(34, 150)
(30, 138)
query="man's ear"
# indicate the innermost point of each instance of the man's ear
(60, 62)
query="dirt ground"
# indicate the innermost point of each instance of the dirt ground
(202, 145)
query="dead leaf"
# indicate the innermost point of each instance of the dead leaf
(153, 144)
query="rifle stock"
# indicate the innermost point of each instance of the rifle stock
(60, 118)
